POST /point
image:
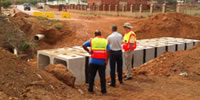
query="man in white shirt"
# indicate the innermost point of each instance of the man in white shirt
(115, 41)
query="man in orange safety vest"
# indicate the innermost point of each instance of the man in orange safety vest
(99, 52)
(129, 45)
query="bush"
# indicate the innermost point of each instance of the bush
(6, 3)
(33, 2)
(58, 26)
(26, 45)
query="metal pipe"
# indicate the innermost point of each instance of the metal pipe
(38, 37)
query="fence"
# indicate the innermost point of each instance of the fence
(134, 9)
(192, 9)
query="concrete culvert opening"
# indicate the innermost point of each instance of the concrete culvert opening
(38, 37)
(43, 61)
(59, 61)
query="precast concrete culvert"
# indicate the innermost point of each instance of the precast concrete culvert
(77, 60)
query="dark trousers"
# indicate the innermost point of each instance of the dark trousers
(116, 58)
(93, 68)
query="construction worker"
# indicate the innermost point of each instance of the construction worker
(99, 57)
(115, 41)
(129, 45)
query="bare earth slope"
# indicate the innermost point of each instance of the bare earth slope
(21, 80)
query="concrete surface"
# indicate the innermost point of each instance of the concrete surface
(138, 58)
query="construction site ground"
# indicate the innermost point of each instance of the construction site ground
(158, 79)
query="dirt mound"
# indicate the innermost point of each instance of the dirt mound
(21, 14)
(3, 96)
(20, 80)
(173, 64)
(171, 24)
(31, 26)
(11, 37)
(62, 73)
(28, 24)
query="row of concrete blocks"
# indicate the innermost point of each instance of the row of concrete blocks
(77, 60)
(146, 51)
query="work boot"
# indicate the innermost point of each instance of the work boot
(121, 82)
(90, 90)
(103, 92)
(112, 85)
(128, 78)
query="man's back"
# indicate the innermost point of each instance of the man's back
(115, 40)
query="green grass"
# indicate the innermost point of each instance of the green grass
(47, 21)
(58, 26)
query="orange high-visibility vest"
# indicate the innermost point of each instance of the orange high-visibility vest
(99, 47)
(126, 41)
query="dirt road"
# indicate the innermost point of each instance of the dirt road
(21, 8)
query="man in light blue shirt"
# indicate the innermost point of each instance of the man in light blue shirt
(115, 40)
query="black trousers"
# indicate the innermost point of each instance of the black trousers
(116, 58)
(93, 68)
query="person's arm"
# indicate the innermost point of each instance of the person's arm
(85, 45)
(86, 49)
(108, 54)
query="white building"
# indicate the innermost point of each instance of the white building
(58, 2)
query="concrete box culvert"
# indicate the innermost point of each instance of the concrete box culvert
(77, 60)
(59, 61)
(138, 56)
(170, 47)
(188, 44)
(179, 45)
(149, 53)
(76, 65)
(159, 49)
(43, 61)
(195, 42)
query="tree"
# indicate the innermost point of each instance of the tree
(0, 6)
(21, 1)
(6, 3)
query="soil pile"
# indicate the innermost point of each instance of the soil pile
(20, 80)
(62, 73)
(28, 24)
(38, 25)
(173, 64)
(171, 24)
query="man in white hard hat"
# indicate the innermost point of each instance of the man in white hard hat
(129, 45)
